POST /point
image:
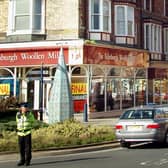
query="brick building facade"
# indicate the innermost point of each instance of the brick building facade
(114, 46)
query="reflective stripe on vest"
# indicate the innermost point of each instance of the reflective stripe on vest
(24, 123)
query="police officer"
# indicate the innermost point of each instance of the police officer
(24, 120)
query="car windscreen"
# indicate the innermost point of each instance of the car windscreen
(138, 114)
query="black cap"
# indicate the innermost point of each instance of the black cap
(24, 104)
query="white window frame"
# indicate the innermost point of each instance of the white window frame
(101, 16)
(155, 37)
(150, 5)
(165, 40)
(147, 35)
(164, 4)
(126, 8)
(11, 20)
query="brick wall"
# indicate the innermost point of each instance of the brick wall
(158, 7)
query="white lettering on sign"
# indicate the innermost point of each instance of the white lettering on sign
(35, 55)
(10, 58)
(25, 57)
(108, 56)
(53, 54)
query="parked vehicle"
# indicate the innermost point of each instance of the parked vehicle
(143, 124)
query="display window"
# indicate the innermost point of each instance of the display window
(79, 88)
(160, 91)
(123, 88)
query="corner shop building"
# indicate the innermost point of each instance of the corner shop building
(95, 72)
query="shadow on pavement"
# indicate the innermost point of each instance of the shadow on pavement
(69, 160)
(149, 146)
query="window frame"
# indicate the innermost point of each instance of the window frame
(12, 23)
(148, 6)
(165, 8)
(155, 37)
(126, 20)
(165, 30)
(101, 16)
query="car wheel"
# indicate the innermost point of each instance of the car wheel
(166, 138)
(125, 144)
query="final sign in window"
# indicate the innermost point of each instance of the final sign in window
(79, 92)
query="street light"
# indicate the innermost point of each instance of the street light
(41, 92)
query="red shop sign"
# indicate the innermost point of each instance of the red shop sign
(115, 56)
(31, 56)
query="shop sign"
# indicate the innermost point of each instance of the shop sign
(157, 73)
(4, 89)
(31, 56)
(114, 56)
(161, 73)
(79, 88)
(75, 55)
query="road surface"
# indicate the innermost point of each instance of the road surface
(143, 156)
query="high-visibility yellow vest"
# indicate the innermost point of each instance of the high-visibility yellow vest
(24, 123)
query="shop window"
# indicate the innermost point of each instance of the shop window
(128, 72)
(113, 94)
(30, 93)
(79, 88)
(124, 20)
(140, 91)
(100, 15)
(26, 16)
(160, 92)
(98, 72)
(5, 73)
(97, 90)
(78, 71)
(97, 95)
(127, 92)
(114, 72)
(38, 72)
(141, 73)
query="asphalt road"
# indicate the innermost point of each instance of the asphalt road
(143, 156)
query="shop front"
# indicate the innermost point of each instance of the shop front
(117, 77)
(103, 77)
(158, 85)
(27, 69)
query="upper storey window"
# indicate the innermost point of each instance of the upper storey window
(148, 5)
(26, 16)
(153, 37)
(100, 15)
(124, 20)
(165, 7)
(166, 41)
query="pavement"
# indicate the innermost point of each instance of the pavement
(70, 150)
(96, 121)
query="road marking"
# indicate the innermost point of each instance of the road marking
(160, 162)
(145, 163)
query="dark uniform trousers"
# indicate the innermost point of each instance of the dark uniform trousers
(25, 147)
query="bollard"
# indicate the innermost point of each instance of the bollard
(85, 116)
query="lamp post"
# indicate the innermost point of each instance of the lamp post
(41, 92)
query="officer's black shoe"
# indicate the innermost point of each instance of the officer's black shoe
(20, 163)
(27, 164)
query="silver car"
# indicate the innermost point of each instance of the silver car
(143, 124)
